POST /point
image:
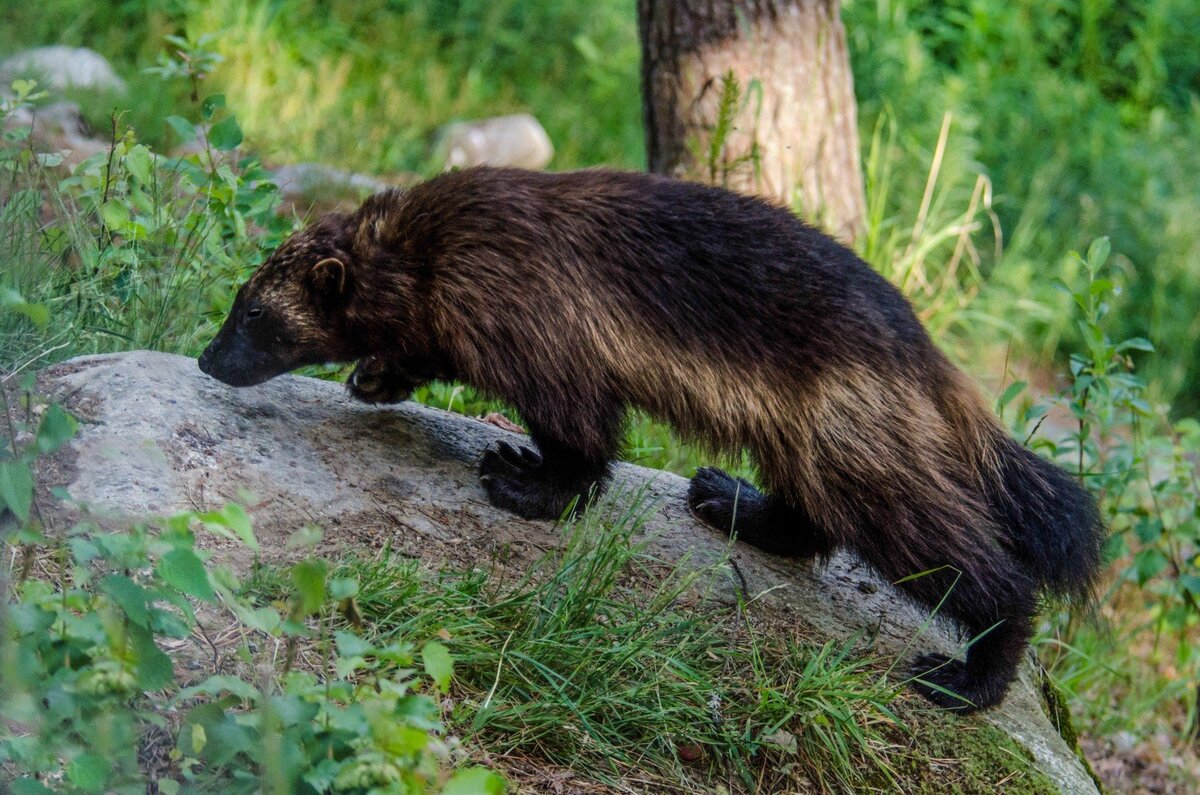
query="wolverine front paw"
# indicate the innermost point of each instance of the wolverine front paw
(375, 381)
(516, 480)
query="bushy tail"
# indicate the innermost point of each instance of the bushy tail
(1052, 521)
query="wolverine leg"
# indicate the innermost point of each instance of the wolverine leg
(539, 484)
(983, 678)
(542, 483)
(377, 380)
(764, 521)
(998, 613)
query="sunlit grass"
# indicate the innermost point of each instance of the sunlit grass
(600, 659)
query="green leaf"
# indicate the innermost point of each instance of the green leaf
(475, 781)
(233, 518)
(1098, 254)
(12, 300)
(115, 215)
(438, 664)
(264, 619)
(309, 578)
(129, 596)
(55, 429)
(140, 163)
(1136, 344)
(237, 521)
(219, 685)
(343, 588)
(29, 786)
(1010, 393)
(1147, 563)
(307, 536)
(89, 772)
(182, 127)
(181, 569)
(225, 135)
(154, 669)
(211, 104)
(16, 488)
(351, 645)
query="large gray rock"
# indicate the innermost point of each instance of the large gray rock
(60, 67)
(157, 436)
(517, 141)
(306, 185)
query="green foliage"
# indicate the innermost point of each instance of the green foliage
(366, 85)
(88, 688)
(1082, 116)
(129, 249)
(1142, 467)
(734, 109)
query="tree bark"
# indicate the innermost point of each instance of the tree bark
(792, 133)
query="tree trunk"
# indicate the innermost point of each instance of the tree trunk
(755, 95)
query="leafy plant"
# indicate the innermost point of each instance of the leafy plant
(89, 690)
(89, 693)
(1142, 467)
(129, 249)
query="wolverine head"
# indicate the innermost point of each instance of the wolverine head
(291, 312)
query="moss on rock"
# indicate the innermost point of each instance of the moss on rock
(942, 754)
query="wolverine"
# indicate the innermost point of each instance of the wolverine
(575, 296)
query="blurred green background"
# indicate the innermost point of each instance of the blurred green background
(1083, 117)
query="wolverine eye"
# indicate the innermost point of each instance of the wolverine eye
(255, 312)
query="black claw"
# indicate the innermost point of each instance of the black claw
(510, 454)
(518, 458)
(943, 681)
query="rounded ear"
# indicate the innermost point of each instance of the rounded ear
(328, 277)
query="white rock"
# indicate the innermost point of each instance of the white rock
(518, 141)
(60, 67)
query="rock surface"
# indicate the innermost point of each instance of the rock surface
(314, 182)
(59, 67)
(517, 141)
(157, 436)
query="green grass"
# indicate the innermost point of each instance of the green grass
(365, 85)
(1082, 115)
(603, 660)
(599, 659)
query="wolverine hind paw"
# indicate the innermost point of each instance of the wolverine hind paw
(944, 681)
(721, 500)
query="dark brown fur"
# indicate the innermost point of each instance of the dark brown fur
(573, 296)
